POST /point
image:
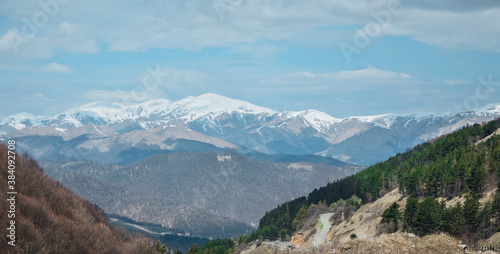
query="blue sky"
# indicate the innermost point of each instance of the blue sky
(344, 58)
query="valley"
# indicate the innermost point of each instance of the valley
(210, 194)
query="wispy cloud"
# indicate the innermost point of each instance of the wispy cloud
(369, 75)
(73, 38)
(134, 95)
(56, 67)
(43, 97)
(37, 48)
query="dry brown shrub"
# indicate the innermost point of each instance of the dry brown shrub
(309, 234)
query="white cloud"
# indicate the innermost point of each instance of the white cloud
(137, 94)
(69, 37)
(170, 77)
(72, 38)
(368, 76)
(371, 74)
(301, 74)
(125, 45)
(14, 45)
(194, 24)
(56, 67)
(450, 30)
(43, 97)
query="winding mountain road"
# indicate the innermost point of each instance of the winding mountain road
(320, 236)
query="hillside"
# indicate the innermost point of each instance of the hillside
(217, 194)
(51, 219)
(447, 185)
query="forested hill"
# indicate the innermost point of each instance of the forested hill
(42, 216)
(464, 162)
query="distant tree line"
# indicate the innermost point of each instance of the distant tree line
(217, 246)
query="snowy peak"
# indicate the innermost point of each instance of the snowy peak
(95, 113)
(313, 118)
(384, 121)
(21, 117)
(215, 104)
(313, 115)
(156, 106)
(488, 109)
(101, 113)
(99, 105)
(21, 120)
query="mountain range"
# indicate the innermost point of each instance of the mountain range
(114, 132)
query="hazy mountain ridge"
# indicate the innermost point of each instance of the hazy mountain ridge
(362, 140)
(99, 144)
(203, 192)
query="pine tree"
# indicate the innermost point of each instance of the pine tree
(455, 221)
(301, 215)
(485, 228)
(193, 249)
(428, 216)
(410, 213)
(160, 248)
(391, 214)
(476, 176)
(495, 209)
(241, 239)
(471, 209)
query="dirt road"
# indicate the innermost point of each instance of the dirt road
(320, 236)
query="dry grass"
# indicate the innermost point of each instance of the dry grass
(493, 241)
(401, 243)
(364, 222)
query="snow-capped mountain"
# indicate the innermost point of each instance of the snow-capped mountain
(152, 112)
(241, 125)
